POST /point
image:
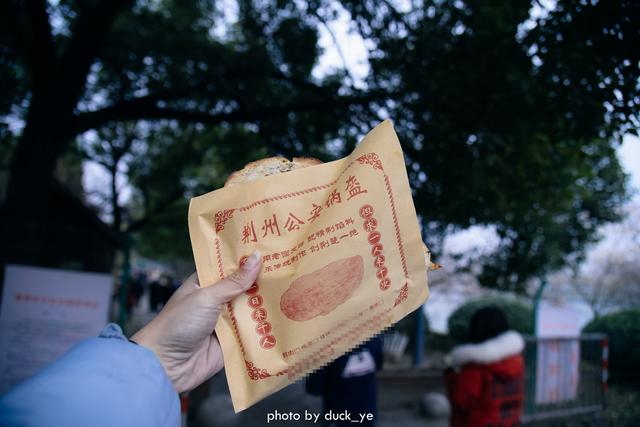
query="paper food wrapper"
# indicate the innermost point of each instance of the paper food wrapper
(342, 260)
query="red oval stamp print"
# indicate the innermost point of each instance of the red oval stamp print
(263, 328)
(366, 211)
(255, 301)
(267, 342)
(259, 314)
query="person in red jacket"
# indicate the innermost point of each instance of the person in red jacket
(485, 381)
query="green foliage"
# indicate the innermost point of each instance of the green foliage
(183, 166)
(166, 236)
(493, 138)
(520, 316)
(580, 78)
(442, 343)
(623, 330)
(623, 407)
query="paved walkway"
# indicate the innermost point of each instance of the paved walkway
(398, 407)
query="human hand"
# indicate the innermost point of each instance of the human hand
(182, 336)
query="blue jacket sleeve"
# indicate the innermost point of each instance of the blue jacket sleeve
(104, 381)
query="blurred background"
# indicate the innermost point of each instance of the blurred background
(518, 119)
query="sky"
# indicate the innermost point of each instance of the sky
(629, 155)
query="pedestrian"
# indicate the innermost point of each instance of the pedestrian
(485, 380)
(114, 381)
(160, 291)
(348, 386)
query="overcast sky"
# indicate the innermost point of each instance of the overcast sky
(629, 154)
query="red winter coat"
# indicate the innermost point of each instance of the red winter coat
(488, 389)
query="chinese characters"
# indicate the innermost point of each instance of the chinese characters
(259, 314)
(370, 225)
(320, 239)
(255, 230)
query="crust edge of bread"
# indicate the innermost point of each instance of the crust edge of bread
(281, 164)
(427, 257)
(304, 162)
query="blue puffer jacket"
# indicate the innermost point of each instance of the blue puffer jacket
(105, 381)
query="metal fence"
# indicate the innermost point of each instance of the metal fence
(565, 378)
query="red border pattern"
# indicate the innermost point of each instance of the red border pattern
(403, 258)
(234, 322)
(255, 373)
(219, 258)
(222, 217)
(402, 296)
(375, 162)
(370, 159)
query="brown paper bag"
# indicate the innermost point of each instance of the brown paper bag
(342, 260)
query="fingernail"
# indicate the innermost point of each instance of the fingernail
(253, 260)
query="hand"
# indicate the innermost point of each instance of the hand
(182, 336)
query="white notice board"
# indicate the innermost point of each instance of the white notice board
(558, 361)
(43, 313)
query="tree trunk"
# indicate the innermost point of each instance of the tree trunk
(27, 202)
(116, 210)
(58, 83)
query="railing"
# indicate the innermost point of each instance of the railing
(565, 378)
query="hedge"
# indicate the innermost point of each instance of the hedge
(623, 330)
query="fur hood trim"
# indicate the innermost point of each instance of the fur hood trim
(493, 350)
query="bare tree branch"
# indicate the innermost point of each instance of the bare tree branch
(118, 152)
(394, 12)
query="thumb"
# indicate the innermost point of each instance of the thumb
(235, 284)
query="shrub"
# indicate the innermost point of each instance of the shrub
(623, 329)
(437, 342)
(520, 316)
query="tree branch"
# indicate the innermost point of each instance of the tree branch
(91, 30)
(140, 223)
(147, 109)
(118, 152)
(394, 12)
(304, 84)
(325, 24)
